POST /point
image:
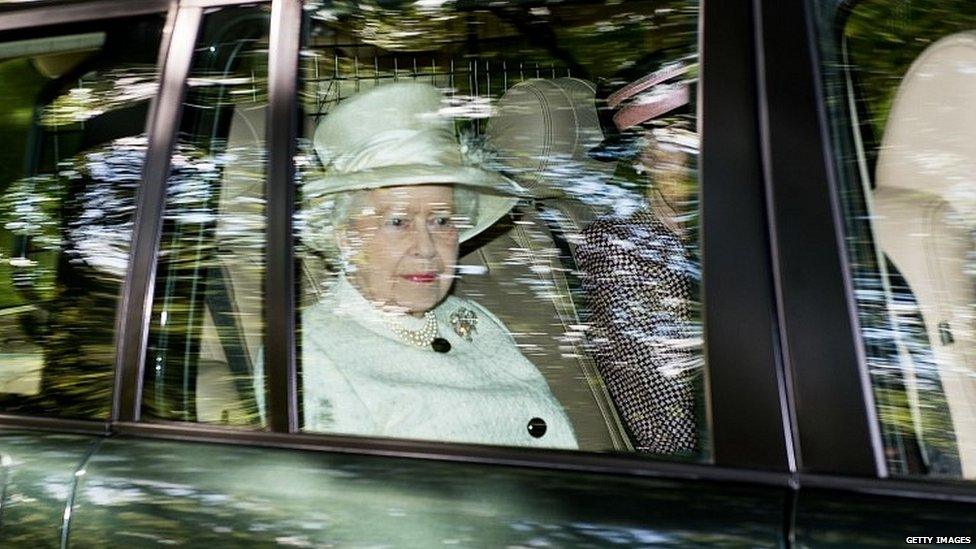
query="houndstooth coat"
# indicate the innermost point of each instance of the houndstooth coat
(638, 278)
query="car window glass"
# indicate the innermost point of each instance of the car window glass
(901, 86)
(497, 224)
(207, 317)
(73, 107)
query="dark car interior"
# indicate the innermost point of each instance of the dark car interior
(59, 319)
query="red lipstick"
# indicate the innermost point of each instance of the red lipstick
(420, 278)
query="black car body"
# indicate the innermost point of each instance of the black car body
(795, 452)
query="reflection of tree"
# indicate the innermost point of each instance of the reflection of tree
(208, 303)
(591, 40)
(111, 90)
(202, 495)
(212, 228)
(920, 437)
(82, 218)
(96, 224)
(886, 36)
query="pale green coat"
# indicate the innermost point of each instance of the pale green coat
(359, 378)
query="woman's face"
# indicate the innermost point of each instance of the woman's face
(403, 243)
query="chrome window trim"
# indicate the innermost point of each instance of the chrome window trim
(140, 279)
(785, 379)
(279, 297)
(36, 16)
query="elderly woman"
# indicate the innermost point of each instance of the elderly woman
(388, 351)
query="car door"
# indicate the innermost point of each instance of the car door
(39, 474)
(882, 398)
(199, 494)
(227, 479)
(208, 444)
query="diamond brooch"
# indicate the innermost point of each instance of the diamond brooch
(464, 321)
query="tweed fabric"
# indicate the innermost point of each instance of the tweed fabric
(359, 378)
(638, 279)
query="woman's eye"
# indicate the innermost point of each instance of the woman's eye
(396, 221)
(443, 221)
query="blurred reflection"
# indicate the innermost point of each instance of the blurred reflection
(38, 475)
(589, 107)
(205, 495)
(207, 317)
(73, 110)
(908, 166)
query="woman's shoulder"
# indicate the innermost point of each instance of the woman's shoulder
(322, 312)
(329, 319)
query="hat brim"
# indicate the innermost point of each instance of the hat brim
(497, 194)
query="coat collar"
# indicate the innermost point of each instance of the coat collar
(346, 301)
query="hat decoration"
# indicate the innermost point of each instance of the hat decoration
(653, 96)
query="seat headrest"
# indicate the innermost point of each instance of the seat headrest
(543, 130)
(929, 143)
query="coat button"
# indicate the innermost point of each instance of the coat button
(441, 345)
(537, 427)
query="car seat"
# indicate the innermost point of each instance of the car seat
(546, 150)
(232, 331)
(924, 215)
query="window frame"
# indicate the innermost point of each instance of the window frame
(832, 394)
(752, 435)
(760, 418)
(835, 414)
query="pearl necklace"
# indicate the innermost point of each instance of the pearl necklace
(420, 338)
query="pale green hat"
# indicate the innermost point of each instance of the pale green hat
(399, 135)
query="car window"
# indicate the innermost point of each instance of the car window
(73, 106)
(901, 86)
(207, 316)
(497, 224)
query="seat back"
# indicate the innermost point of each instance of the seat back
(924, 215)
(232, 329)
(522, 276)
(542, 131)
